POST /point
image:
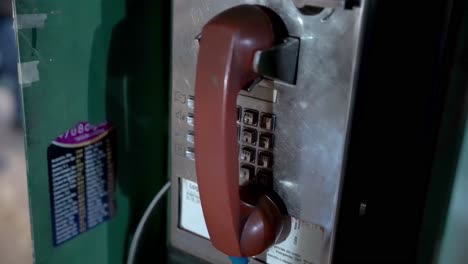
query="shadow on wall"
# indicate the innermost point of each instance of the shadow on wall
(136, 95)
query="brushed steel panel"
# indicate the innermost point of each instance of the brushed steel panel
(311, 116)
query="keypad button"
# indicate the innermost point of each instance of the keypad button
(190, 153)
(191, 101)
(239, 113)
(265, 141)
(247, 154)
(264, 178)
(265, 160)
(249, 136)
(246, 172)
(250, 117)
(190, 119)
(267, 121)
(191, 137)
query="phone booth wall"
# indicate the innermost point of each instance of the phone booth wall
(94, 82)
(292, 131)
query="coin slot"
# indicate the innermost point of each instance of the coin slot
(310, 10)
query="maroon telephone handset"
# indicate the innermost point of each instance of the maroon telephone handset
(240, 221)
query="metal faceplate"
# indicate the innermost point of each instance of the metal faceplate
(312, 117)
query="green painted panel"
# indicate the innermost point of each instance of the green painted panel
(98, 60)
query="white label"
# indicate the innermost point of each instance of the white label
(191, 213)
(303, 245)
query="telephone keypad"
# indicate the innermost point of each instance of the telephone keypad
(256, 142)
(252, 127)
(250, 117)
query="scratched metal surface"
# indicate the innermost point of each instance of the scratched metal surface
(312, 116)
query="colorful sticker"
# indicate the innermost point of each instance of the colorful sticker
(81, 179)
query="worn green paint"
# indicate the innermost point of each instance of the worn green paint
(99, 60)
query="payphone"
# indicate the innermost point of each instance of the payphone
(261, 97)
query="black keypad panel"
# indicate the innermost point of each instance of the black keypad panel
(256, 141)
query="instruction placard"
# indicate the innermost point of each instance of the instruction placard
(81, 180)
(191, 213)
